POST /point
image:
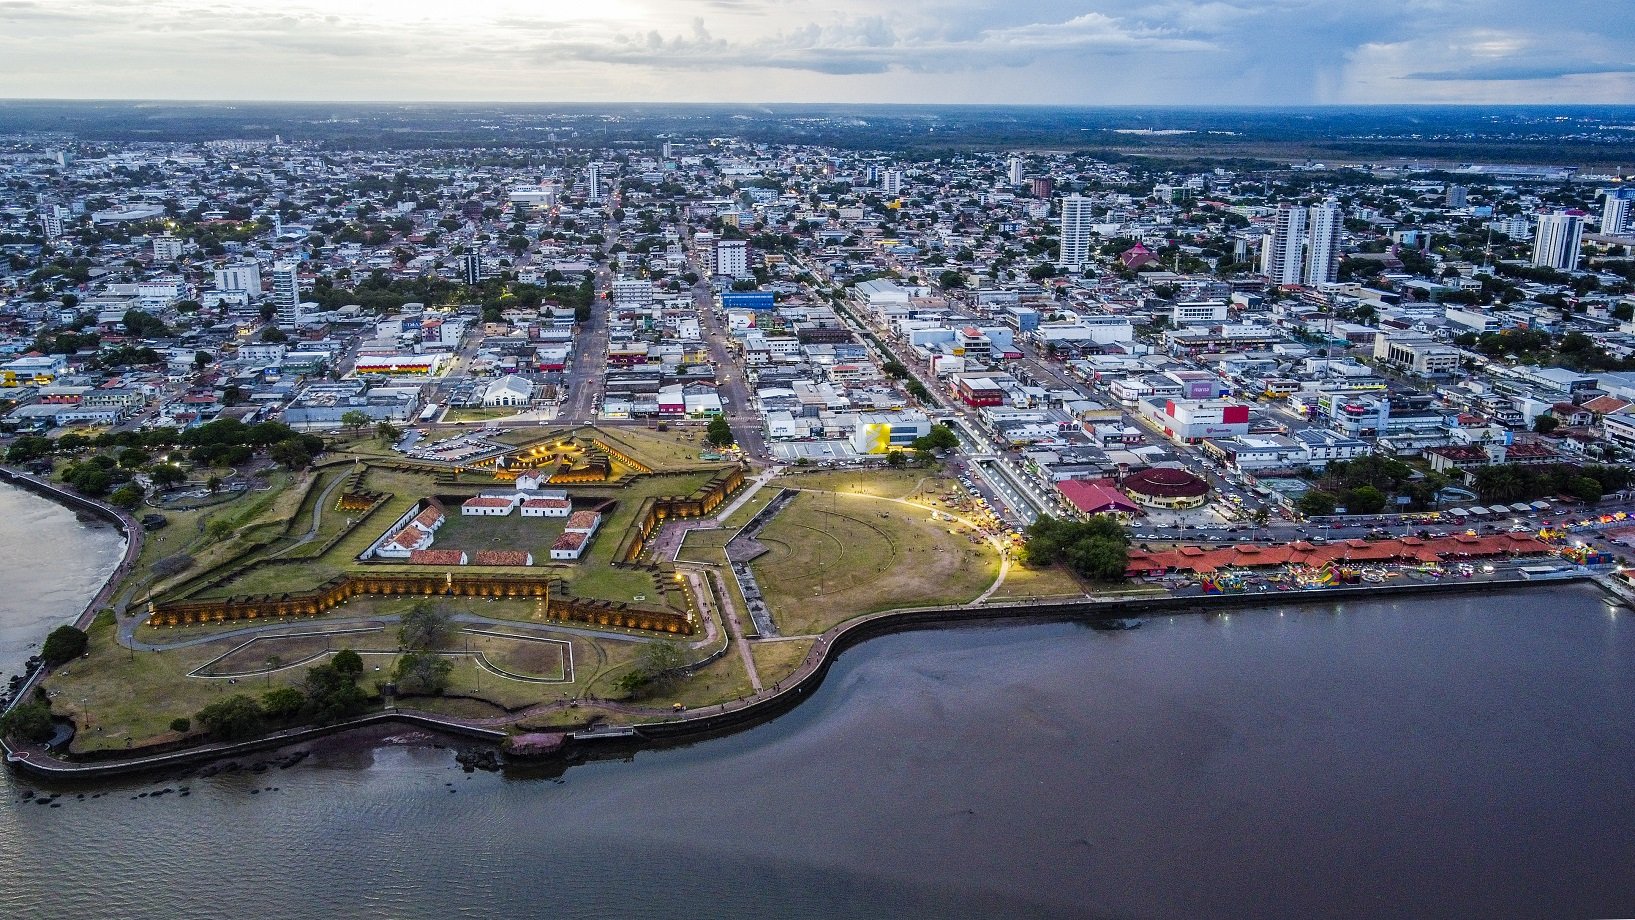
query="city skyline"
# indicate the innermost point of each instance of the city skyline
(1088, 52)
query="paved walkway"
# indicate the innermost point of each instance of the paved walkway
(755, 485)
(317, 516)
(735, 628)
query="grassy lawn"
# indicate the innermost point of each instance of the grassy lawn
(480, 415)
(1048, 582)
(778, 659)
(133, 696)
(882, 483)
(704, 545)
(476, 534)
(834, 556)
(676, 447)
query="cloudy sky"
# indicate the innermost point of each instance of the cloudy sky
(932, 51)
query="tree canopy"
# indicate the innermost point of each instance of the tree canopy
(1097, 548)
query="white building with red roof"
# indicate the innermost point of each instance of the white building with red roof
(490, 505)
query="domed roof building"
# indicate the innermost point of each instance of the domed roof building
(1166, 487)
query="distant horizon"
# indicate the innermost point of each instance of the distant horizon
(1088, 106)
(934, 52)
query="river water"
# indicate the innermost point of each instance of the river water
(53, 560)
(1449, 757)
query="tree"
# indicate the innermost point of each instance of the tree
(349, 662)
(292, 454)
(333, 693)
(1364, 500)
(65, 643)
(1316, 502)
(896, 458)
(201, 360)
(1545, 424)
(719, 431)
(657, 667)
(422, 674)
(220, 528)
(168, 475)
(951, 280)
(894, 369)
(235, 717)
(213, 484)
(917, 390)
(1585, 489)
(29, 721)
(1097, 548)
(355, 419)
(387, 432)
(423, 627)
(127, 496)
(940, 437)
(181, 726)
(133, 457)
(283, 703)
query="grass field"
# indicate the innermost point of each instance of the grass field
(1049, 582)
(882, 483)
(833, 556)
(705, 545)
(476, 534)
(132, 696)
(778, 659)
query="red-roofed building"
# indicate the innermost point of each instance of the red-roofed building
(1100, 496)
(546, 507)
(568, 546)
(437, 557)
(1408, 549)
(1137, 256)
(492, 505)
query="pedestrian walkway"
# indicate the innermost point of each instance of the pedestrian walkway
(755, 485)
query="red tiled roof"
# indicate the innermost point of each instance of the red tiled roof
(1165, 482)
(547, 503)
(511, 557)
(437, 557)
(582, 520)
(573, 539)
(483, 501)
(1096, 497)
(1197, 559)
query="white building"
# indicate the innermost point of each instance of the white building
(239, 277)
(1559, 236)
(891, 183)
(1324, 222)
(490, 505)
(1077, 218)
(286, 293)
(1618, 211)
(732, 258)
(534, 196)
(632, 292)
(167, 248)
(51, 218)
(510, 391)
(1187, 313)
(593, 181)
(1016, 171)
(1280, 255)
